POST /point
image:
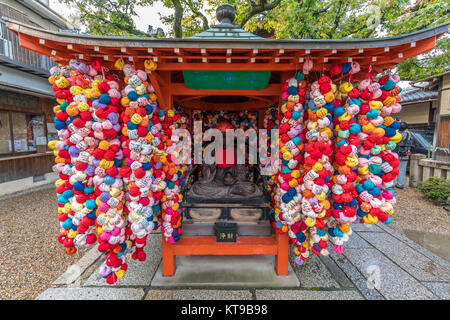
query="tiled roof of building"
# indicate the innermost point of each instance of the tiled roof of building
(417, 94)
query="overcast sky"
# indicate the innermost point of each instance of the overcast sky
(146, 15)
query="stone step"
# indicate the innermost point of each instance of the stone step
(226, 271)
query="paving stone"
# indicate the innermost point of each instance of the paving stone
(416, 264)
(365, 227)
(313, 273)
(76, 270)
(138, 273)
(441, 289)
(355, 276)
(255, 271)
(308, 295)
(195, 294)
(337, 272)
(356, 242)
(417, 247)
(388, 278)
(91, 294)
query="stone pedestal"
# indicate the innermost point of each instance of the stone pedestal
(414, 169)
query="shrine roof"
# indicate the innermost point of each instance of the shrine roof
(226, 47)
(226, 31)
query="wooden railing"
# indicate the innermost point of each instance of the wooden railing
(12, 53)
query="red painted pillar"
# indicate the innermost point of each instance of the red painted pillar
(282, 257)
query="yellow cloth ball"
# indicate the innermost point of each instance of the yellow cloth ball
(352, 161)
(369, 219)
(345, 117)
(72, 234)
(136, 118)
(114, 192)
(388, 121)
(310, 222)
(62, 82)
(321, 196)
(295, 174)
(287, 156)
(104, 145)
(120, 273)
(396, 138)
(119, 63)
(329, 96)
(96, 93)
(327, 131)
(317, 167)
(389, 101)
(293, 183)
(374, 104)
(345, 88)
(51, 144)
(379, 131)
(368, 128)
(322, 113)
(75, 90)
(363, 170)
(66, 208)
(60, 182)
(83, 107)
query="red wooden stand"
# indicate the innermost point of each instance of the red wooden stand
(277, 245)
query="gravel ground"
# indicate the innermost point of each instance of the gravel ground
(31, 256)
(414, 212)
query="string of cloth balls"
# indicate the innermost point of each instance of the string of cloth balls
(119, 177)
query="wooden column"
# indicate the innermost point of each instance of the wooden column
(168, 259)
(282, 257)
(261, 115)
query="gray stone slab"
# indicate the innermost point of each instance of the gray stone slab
(416, 246)
(388, 278)
(355, 277)
(257, 271)
(196, 294)
(74, 272)
(313, 273)
(365, 227)
(441, 289)
(356, 242)
(308, 295)
(409, 259)
(91, 294)
(337, 272)
(138, 273)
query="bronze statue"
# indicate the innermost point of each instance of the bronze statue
(227, 181)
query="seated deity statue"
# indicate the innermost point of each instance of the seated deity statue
(224, 179)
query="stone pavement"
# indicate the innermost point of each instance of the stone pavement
(377, 263)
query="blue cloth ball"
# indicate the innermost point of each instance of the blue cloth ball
(132, 96)
(389, 85)
(292, 91)
(147, 166)
(346, 67)
(78, 186)
(104, 99)
(59, 125)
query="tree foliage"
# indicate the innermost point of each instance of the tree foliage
(106, 17)
(289, 19)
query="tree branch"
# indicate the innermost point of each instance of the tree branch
(199, 14)
(257, 9)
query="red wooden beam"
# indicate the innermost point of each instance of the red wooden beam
(161, 98)
(182, 90)
(239, 106)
